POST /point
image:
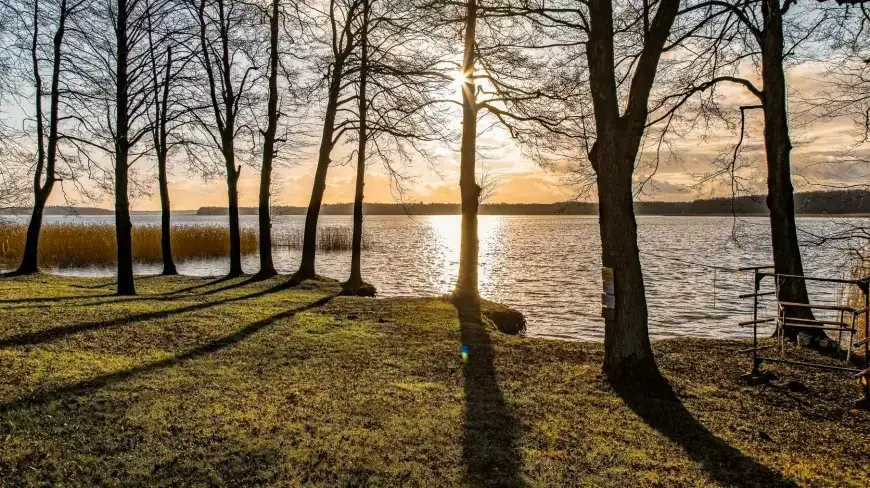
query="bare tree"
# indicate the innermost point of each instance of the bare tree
(110, 99)
(627, 351)
(228, 58)
(355, 282)
(169, 58)
(342, 33)
(603, 60)
(267, 267)
(466, 290)
(399, 110)
(488, 181)
(764, 35)
(47, 135)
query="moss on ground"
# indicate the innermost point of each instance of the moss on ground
(203, 382)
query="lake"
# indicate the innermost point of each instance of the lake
(548, 267)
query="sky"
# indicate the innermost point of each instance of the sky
(819, 145)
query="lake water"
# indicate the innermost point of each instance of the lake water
(548, 267)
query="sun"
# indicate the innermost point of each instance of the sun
(459, 79)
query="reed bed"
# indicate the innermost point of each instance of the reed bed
(329, 238)
(67, 245)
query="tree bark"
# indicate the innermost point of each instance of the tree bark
(162, 107)
(46, 156)
(466, 289)
(627, 352)
(356, 281)
(233, 173)
(169, 268)
(267, 267)
(123, 225)
(309, 242)
(780, 192)
(227, 129)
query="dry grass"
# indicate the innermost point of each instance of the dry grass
(236, 383)
(329, 238)
(94, 244)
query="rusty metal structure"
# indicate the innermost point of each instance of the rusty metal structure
(845, 324)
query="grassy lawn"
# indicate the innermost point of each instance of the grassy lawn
(197, 382)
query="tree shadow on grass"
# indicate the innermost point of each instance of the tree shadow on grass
(83, 387)
(114, 283)
(215, 281)
(250, 280)
(14, 301)
(55, 333)
(664, 412)
(172, 295)
(491, 432)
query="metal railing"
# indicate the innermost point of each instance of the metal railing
(846, 323)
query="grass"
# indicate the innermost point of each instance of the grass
(239, 383)
(66, 245)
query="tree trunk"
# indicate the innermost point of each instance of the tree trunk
(161, 142)
(233, 199)
(466, 289)
(356, 281)
(123, 226)
(48, 157)
(309, 241)
(165, 217)
(627, 352)
(267, 267)
(780, 192)
(30, 259)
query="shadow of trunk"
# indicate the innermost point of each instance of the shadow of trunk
(726, 465)
(205, 349)
(58, 332)
(489, 447)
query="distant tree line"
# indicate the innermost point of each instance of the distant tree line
(835, 202)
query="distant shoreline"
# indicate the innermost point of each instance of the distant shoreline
(845, 203)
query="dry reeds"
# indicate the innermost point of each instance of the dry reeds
(329, 238)
(66, 244)
(855, 297)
